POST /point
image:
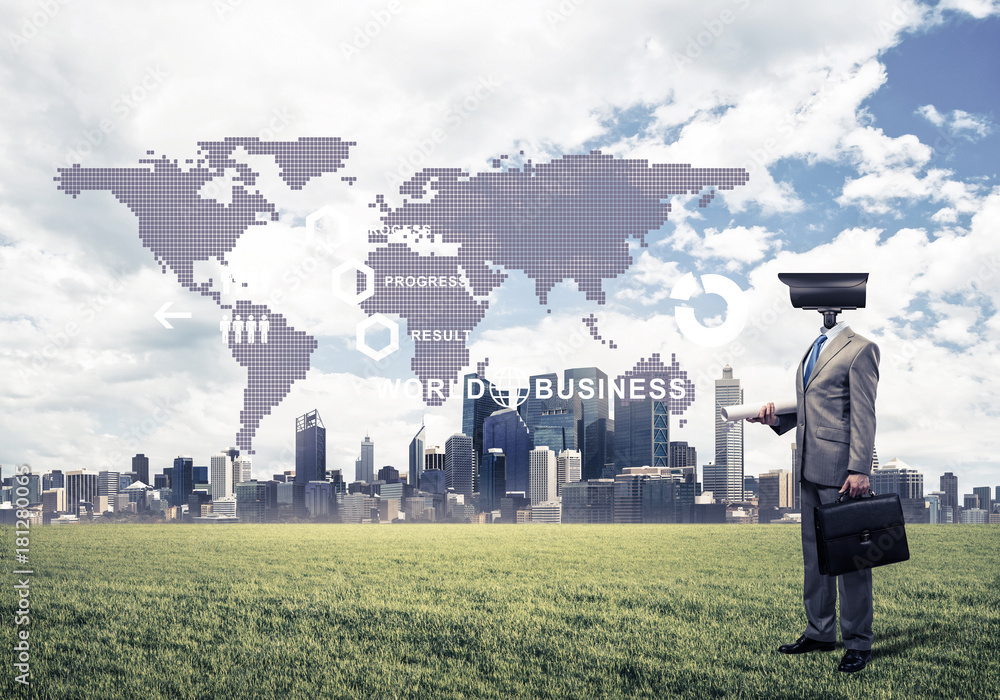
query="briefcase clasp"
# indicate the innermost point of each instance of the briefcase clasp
(866, 537)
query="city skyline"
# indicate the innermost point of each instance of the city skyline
(731, 389)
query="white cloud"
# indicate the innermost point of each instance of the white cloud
(977, 8)
(958, 122)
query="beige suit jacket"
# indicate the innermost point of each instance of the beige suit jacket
(835, 417)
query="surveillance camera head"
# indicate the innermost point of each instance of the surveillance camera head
(826, 292)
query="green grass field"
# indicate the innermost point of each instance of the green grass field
(466, 611)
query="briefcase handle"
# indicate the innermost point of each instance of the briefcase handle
(870, 494)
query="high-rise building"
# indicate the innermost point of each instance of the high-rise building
(505, 430)
(642, 434)
(715, 478)
(81, 486)
(775, 490)
(477, 408)
(591, 419)
(182, 480)
(364, 466)
(970, 501)
(108, 483)
(552, 419)
(388, 474)
(729, 436)
(459, 463)
(200, 476)
(949, 484)
(242, 467)
(542, 475)
(751, 486)
(320, 499)
(417, 456)
(984, 497)
(33, 487)
(590, 501)
(434, 480)
(140, 465)
(898, 477)
(934, 500)
(628, 493)
(310, 448)
(433, 458)
(252, 501)
(221, 477)
(492, 480)
(683, 455)
(56, 480)
(569, 468)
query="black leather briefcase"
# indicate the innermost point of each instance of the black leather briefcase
(860, 533)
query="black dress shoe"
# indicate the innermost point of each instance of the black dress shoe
(854, 660)
(803, 645)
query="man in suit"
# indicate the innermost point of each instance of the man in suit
(835, 428)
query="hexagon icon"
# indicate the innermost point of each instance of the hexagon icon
(354, 264)
(336, 217)
(385, 322)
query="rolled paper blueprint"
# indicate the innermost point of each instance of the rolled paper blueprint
(749, 410)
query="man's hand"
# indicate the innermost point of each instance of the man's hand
(766, 415)
(857, 484)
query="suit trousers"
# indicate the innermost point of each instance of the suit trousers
(820, 590)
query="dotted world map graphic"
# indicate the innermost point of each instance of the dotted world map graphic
(568, 219)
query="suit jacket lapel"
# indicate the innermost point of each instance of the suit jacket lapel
(836, 345)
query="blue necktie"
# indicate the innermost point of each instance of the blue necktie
(811, 362)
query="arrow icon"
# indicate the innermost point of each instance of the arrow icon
(161, 315)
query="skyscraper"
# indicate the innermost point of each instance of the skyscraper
(984, 497)
(898, 477)
(949, 484)
(221, 477)
(181, 480)
(569, 468)
(242, 468)
(506, 430)
(492, 480)
(591, 418)
(81, 486)
(475, 411)
(683, 455)
(310, 448)
(542, 474)
(108, 483)
(364, 466)
(433, 458)
(459, 463)
(642, 434)
(775, 490)
(140, 465)
(417, 456)
(729, 436)
(553, 420)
